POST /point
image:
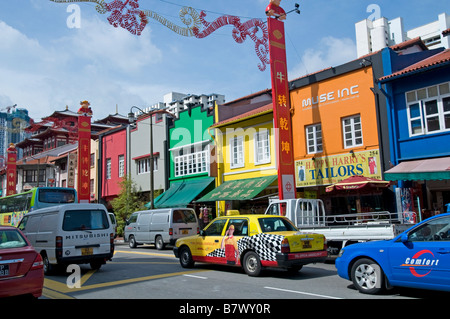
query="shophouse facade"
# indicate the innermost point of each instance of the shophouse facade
(188, 157)
(138, 150)
(247, 169)
(419, 123)
(339, 127)
(113, 162)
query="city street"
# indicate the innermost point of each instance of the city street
(147, 273)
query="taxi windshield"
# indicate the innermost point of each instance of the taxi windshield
(273, 224)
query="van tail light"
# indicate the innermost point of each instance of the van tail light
(285, 248)
(37, 263)
(59, 246)
(198, 230)
(170, 231)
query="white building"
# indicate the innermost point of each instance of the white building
(375, 35)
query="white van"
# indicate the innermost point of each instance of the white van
(70, 234)
(160, 226)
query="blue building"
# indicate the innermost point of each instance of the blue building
(12, 128)
(418, 109)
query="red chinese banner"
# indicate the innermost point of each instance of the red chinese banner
(11, 171)
(84, 152)
(281, 109)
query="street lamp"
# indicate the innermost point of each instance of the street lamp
(132, 119)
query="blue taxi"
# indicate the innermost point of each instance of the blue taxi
(417, 258)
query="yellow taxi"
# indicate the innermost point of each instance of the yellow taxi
(253, 242)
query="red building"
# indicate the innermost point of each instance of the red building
(112, 162)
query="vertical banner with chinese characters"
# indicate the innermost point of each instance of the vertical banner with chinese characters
(11, 170)
(281, 109)
(84, 152)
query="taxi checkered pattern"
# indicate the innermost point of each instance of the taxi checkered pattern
(265, 245)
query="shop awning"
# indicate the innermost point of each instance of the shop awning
(180, 194)
(428, 169)
(241, 189)
(356, 183)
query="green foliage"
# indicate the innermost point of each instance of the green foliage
(126, 203)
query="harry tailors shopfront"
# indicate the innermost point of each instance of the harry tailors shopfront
(335, 135)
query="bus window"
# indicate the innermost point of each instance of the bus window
(56, 196)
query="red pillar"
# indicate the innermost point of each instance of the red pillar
(84, 152)
(281, 109)
(11, 170)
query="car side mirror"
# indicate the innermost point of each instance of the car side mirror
(404, 238)
(202, 233)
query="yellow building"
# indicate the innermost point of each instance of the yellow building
(246, 162)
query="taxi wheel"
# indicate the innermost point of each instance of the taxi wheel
(367, 276)
(252, 264)
(186, 260)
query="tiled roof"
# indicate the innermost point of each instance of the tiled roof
(431, 62)
(244, 116)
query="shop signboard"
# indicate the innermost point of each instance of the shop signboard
(320, 171)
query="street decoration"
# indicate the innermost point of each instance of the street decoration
(255, 29)
(11, 172)
(84, 152)
(127, 14)
(281, 100)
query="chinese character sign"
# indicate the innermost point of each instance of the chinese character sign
(11, 170)
(281, 108)
(84, 152)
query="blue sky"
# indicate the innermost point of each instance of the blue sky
(45, 64)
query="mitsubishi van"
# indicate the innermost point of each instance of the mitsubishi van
(70, 234)
(160, 226)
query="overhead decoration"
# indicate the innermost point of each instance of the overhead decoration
(256, 29)
(126, 14)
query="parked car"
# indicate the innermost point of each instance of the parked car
(70, 234)
(21, 267)
(253, 242)
(417, 258)
(160, 226)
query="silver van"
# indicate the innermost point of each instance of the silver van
(70, 234)
(160, 226)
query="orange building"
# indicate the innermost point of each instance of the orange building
(335, 129)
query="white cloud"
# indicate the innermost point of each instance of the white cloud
(96, 62)
(331, 51)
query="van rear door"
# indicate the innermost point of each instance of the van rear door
(184, 222)
(86, 232)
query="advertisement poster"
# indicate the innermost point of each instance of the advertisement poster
(327, 170)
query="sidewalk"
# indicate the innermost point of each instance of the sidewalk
(119, 241)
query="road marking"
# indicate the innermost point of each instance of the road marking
(302, 293)
(51, 294)
(145, 253)
(63, 288)
(192, 276)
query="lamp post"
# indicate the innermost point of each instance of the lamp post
(132, 119)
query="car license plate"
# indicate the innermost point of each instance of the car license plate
(4, 270)
(87, 251)
(184, 232)
(306, 244)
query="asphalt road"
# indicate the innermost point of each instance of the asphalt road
(146, 273)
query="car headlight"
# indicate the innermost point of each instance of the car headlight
(341, 252)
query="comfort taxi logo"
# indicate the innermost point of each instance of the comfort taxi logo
(422, 259)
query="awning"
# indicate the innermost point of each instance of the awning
(428, 169)
(180, 194)
(241, 189)
(356, 183)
